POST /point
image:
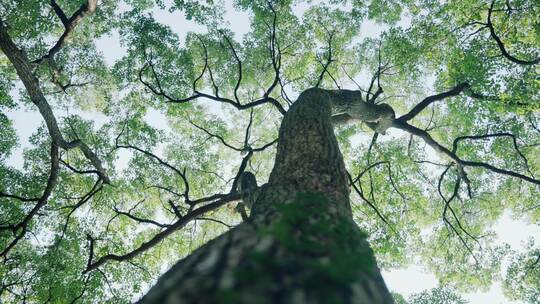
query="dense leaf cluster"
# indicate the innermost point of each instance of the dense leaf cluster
(181, 107)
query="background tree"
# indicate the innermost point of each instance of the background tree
(106, 202)
(439, 295)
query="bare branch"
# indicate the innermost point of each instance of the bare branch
(376, 76)
(369, 167)
(447, 207)
(248, 131)
(163, 234)
(215, 221)
(247, 146)
(486, 136)
(370, 204)
(159, 92)
(180, 173)
(213, 135)
(139, 219)
(238, 63)
(275, 53)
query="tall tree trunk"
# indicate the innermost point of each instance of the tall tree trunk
(300, 244)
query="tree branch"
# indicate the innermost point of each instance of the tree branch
(501, 134)
(163, 234)
(23, 67)
(158, 90)
(69, 26)
(60, 13)
(329, 60)
(429, 100)
(20, 228)
(501, 45)
(453, 156)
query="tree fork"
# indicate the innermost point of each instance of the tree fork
(300, 244)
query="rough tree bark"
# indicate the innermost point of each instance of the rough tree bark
(300, 244)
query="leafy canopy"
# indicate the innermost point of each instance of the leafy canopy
(176, 118)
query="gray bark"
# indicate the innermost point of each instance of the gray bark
(300, 244)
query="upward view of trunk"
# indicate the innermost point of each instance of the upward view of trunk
(300, 244)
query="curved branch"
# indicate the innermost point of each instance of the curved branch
(24, 70)
(370, 204)
(163, 234)
(447, 207)
(239, 63)
(213, 135)
(139, 219)
(275, 53)
(180, 173)
(197, 94)
(501, 45)
(20, 229)
(216, 201)
(329, 60)
(431, 99)
(501, 134)
(462, 163)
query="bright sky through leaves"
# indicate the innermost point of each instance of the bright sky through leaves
(426, 56)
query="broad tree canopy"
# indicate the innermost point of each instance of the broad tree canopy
(136, 159)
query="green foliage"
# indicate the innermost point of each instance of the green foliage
(399, 299)
(522, 281)
(439, 295)
(426, 47)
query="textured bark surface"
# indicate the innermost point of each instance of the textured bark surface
(300, 244)
(348, 106)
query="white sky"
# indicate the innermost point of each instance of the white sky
(406, 281)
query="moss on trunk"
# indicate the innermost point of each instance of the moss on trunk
(300, 244)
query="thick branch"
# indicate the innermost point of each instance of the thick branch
(216, 201)
(60, 13)
(429, 100)
(163, 234)
(69, 24)
(24, 69)
(463, 163)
